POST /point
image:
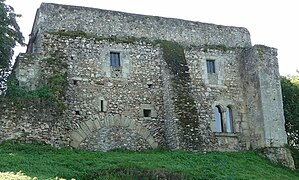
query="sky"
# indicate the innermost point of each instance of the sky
(272, 23)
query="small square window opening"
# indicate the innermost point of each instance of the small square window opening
(147, 113)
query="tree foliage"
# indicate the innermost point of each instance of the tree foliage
(10, 35)
(290, 94)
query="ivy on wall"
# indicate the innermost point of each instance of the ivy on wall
(48, 95)
(50, 90)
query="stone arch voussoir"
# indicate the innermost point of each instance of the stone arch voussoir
(87, 128)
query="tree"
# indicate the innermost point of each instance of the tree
(290, 95)
(10, 35)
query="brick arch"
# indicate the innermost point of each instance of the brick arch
(87, 128)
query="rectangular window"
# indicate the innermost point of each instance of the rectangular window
(114, 59)
(211, 66)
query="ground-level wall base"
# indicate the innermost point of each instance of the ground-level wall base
(280, 155)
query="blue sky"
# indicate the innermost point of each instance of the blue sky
(272, 23)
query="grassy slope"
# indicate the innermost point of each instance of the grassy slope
(44, 162)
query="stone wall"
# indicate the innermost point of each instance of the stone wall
(100, 111)
(91, 82)
(54, 17)
(225, 91)
(263, 94)
(29, 73)
(137, 88)
(32, 119)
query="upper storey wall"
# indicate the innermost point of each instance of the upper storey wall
(54, 17)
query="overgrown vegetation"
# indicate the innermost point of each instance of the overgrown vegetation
(49, 95)
(57, 83)
(260, 51)
(295, 155)
(10, 35)
(290, 95)
(174, 56)
(16, 92)
(50, 88)
(44, 162)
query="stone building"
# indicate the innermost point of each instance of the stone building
(121, 80)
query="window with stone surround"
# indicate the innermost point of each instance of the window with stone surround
(223, 119)
(211, 69)
(115, 64)
(147, 113)
(101, 104)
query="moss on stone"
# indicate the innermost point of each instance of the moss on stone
(16, 92)
(260, 51)
(71, 34)
(50, 90)
(57, 83)
(112, 38)
(56, 61)
(219, 47)
(185, 106)
(50, 93)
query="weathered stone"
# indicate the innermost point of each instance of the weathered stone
(81, 133)
(280, 155)
(97, 124)
(85, 129)
(76, 139)
(91, 126)
(157, 95)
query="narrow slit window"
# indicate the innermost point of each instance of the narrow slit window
(75, 82)
(114, 59)
(211, 66)
(102, 106)
(147, 113)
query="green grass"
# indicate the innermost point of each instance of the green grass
(44, 162)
